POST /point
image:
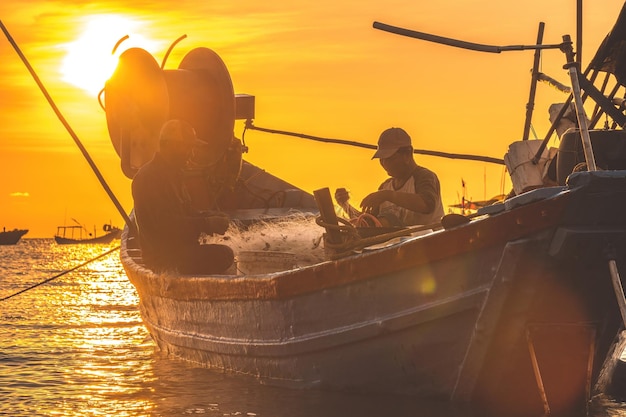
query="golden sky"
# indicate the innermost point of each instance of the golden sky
(315, 67)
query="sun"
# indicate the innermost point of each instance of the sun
(90, 60)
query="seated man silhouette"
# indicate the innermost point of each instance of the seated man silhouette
(169, 227)
(412, 193)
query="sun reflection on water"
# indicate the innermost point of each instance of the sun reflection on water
(77, 347)
(87, 323)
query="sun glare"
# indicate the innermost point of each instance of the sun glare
(90, 61)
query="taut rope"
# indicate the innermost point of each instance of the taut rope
(61, 274)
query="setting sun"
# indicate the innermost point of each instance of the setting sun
(90, 60)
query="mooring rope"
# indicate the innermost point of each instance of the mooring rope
(62, 273)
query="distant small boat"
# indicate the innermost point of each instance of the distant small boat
(68, 235)
(11, 237)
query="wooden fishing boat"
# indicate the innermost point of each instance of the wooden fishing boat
(73, 234)
(11, 237)
(518, 310)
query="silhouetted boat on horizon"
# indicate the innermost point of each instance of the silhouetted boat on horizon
(11, 237)
(70, 235)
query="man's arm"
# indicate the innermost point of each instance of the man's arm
(410, 201)
(423, 200)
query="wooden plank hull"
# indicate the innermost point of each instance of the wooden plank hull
(512, 311)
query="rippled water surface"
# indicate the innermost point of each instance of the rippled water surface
(76, 346)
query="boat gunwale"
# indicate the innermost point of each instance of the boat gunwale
(480, 233)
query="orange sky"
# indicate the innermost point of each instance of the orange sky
(315, 67)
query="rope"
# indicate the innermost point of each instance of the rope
(61, 274)
(366, 220)
(348, 233)
(498, 161)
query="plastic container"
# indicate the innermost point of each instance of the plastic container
(525, 175)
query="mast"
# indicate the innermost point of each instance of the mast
(579, 32)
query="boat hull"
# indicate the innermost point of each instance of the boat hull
(360, 336)
(104, 239)
(512, 311)
(11, 237)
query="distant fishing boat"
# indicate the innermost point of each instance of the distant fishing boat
(11, 237)
(77, 234)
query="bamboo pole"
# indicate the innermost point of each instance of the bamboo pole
(572, 68)
(533, 83)
(618, 289)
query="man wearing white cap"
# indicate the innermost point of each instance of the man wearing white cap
(412, 196)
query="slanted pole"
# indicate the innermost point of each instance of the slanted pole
(572, 68)
(618, 289)
(533, 83)
(64, 122)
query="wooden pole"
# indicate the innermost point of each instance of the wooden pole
(327, 212)
(618, 289)
(572, 68)
(579, 32)
(533, 83)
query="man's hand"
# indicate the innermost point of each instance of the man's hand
(371, 203)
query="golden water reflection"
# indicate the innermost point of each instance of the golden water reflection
(75, 346)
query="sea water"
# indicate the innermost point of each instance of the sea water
(76, 346)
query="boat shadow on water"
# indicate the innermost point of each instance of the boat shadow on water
(182, 388)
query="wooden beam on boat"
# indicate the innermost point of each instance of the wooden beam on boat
(607, 379)
(486, 323)
(619, 290)
(572, 69)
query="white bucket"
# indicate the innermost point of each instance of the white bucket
(264, 262)
(525, 175)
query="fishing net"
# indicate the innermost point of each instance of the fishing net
(297, 234)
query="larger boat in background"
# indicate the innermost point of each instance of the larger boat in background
(77, 234)
(11, 237)
(518, 310)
